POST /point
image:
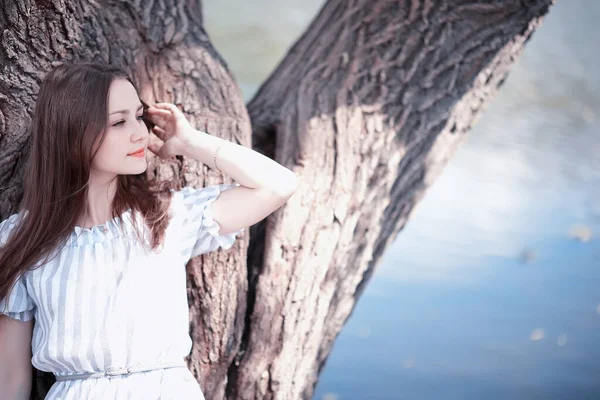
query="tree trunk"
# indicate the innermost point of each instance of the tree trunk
(366, 108)
(169, 56)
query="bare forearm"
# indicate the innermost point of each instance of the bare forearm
(247, 167)
(20, 390)
(15, 358)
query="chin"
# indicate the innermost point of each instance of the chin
(134, 171)
(140, 170)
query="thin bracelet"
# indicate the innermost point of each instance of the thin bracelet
(215, 157)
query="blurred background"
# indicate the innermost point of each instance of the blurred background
(493, 287)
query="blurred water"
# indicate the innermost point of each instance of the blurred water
(493, 288)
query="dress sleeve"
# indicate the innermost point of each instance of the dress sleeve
(18, 305)
(200, 231)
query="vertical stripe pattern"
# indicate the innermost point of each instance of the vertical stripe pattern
(105, 302)
(200, 231)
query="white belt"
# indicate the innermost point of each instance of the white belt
(114, 371)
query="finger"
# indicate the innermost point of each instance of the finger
(154, 147)
(169, 106)
(158, 147)
(161, 149)
(159, 113)
(156, 140)
(158, 131)
(158, 121)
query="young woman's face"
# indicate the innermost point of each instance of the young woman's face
(125, 134)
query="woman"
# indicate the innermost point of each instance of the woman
(96, 254)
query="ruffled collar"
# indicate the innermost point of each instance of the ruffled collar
(79, 236)
(102, 232)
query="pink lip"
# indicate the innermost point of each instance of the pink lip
(139, 153)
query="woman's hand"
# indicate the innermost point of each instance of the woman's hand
(172, 129)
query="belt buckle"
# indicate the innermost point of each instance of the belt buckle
(110, 371)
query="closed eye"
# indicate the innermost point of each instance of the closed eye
(140, 118)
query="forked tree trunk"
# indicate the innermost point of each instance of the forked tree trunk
(366, 109)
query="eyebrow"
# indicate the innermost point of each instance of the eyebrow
(126, 111)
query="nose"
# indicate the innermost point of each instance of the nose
(141, 132)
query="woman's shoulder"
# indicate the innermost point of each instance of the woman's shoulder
(7, 225)
(8, 220)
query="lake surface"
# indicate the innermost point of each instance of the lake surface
(493, 287)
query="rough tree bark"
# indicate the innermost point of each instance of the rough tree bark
(366, 108)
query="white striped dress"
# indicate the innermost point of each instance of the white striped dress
(104, 301)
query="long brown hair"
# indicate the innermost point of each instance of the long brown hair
(70, 117)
